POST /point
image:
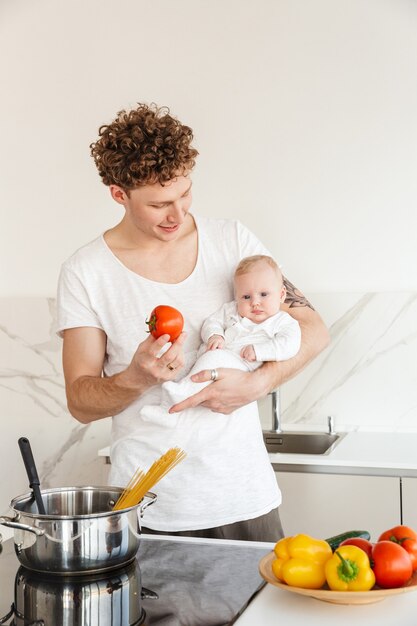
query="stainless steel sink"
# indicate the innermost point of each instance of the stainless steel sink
(301, 442)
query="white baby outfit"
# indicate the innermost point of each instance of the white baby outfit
(277, 338)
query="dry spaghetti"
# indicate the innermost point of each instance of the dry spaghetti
(140, 482)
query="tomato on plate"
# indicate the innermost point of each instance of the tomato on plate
(391, 564)
(363, 544)
(165, 320)
(406, 537)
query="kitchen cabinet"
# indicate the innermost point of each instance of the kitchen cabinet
(409, 501)
(323, 505)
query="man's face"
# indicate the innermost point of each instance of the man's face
(157, 211)
(259, 293)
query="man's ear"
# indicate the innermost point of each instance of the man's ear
(118, 194)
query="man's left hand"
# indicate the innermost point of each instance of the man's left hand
(232, 390)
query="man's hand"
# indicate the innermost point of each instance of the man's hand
(232, 390)
(91, 396)
(148, 366)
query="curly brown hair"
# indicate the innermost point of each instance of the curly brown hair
(143, 146)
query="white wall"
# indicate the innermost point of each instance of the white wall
(304, 115)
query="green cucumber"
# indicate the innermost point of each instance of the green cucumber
(334, 542)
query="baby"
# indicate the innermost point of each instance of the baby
(243, 333)
(253, 325)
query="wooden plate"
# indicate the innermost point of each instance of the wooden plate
(336, 597)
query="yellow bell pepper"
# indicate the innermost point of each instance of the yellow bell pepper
(349, 569)
(300, 561)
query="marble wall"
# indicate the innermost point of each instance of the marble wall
(366, 379)
(33, 404)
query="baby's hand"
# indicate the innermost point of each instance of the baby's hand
(248, 353)
(215, 342)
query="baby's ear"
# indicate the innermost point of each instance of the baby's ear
(283, 294)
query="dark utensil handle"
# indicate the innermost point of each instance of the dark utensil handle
(31, 471)
(29, 461)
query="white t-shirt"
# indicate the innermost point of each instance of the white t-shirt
(226, 476)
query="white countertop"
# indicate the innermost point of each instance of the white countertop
(379, 453)
(274, 606)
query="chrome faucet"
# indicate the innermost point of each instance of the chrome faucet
(330, 425)
(276, 415)
(276, 411)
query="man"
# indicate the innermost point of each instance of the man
(160, 253)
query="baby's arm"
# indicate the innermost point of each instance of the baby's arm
(212, 331)
(284, 345)
(248, 353)
(215, 342)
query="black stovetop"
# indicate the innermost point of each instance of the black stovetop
(186, 583)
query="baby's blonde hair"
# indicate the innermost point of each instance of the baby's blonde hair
(247, 264)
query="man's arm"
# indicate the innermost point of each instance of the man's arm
(314, 335)
(314, 339)
(90, 396)
(234, 388)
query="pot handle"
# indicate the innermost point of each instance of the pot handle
(144, 505)
(8, 521)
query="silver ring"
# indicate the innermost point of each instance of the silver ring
(169, 366)
(214, 375)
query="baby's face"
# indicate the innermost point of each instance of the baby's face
(259, 293)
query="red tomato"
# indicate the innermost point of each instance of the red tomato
(363, 544)
(406, 537)
(165, 320)
(392, 564)
(398, 532)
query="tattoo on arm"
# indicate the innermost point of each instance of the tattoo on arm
(294, 297)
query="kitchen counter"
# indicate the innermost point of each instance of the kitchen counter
(359, 452)
(371, 453)
(272, 606)
(203, 582)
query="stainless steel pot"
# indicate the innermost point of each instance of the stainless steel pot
(80, 533)
(109, 599)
